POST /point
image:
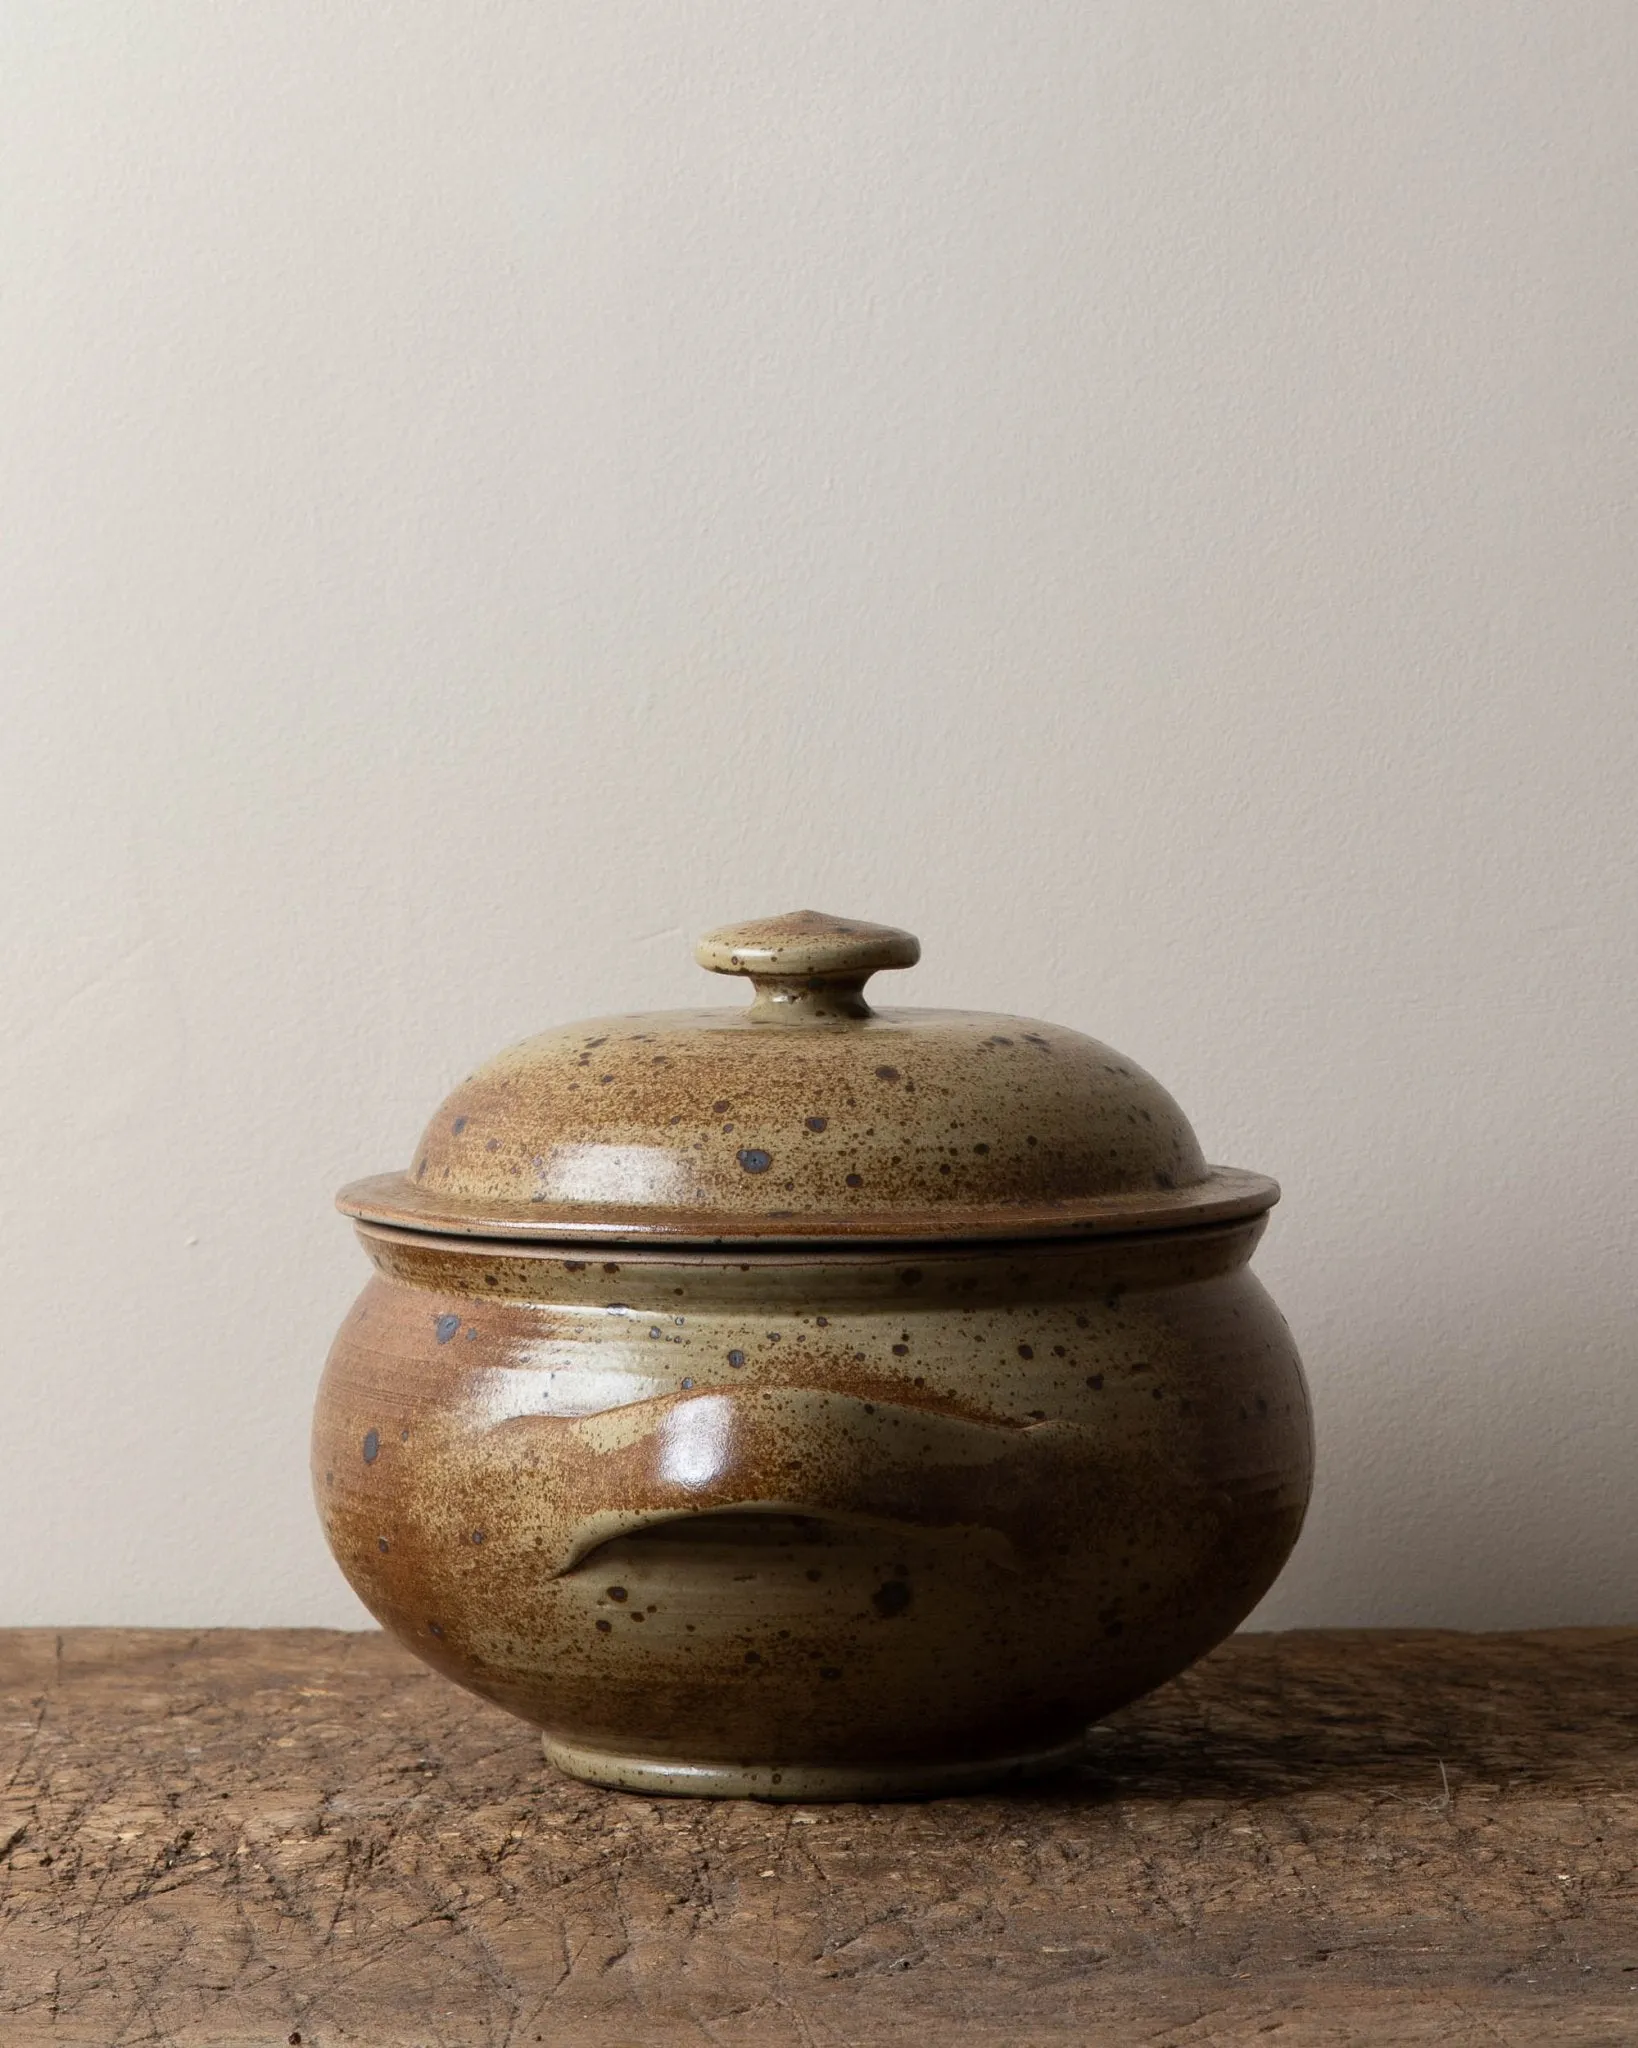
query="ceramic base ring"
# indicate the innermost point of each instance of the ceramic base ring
(621, 1772)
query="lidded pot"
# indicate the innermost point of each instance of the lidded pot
(810, 1400)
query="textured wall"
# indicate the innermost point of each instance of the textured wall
(1141, 492)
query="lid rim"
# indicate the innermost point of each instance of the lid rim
(829, 1250)
(1227, 1194)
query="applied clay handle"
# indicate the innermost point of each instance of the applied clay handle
(807, 967)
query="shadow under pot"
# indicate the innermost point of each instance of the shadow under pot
(808, 1401)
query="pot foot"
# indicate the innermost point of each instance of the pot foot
(621, 1772)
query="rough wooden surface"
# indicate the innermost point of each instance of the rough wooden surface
(225, 1839)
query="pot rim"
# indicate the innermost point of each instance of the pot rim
(1228, 1194)
(750, 1257)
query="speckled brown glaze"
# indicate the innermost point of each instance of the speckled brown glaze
(807, 1116)
(837, 1518)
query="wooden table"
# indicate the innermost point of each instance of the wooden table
(225, 1839)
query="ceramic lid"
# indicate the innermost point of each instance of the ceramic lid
(807, 1116)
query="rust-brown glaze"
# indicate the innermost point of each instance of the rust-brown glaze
(784, 1515)
(807, 1116)
(908, 1406)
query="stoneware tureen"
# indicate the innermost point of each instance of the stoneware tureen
(806, 1400)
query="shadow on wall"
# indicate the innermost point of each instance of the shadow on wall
(1477, 1472)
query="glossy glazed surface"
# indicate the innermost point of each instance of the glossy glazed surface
(806, 1513)
(807, 1115)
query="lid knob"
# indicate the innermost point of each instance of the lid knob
(807, 968)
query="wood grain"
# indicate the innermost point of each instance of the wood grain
(227, 1840)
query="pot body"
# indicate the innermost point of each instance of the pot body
(798, 1524)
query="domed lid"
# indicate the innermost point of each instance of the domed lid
(807, 1116)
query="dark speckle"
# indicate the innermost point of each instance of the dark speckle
(816, 1123)
(382, 1545)
(686, 1385)
(458, 1125)
(981, 1149)
(372, 1446)
(753, 1656)
(1095, 1381)
(901, 1350)
(604, 1627)
(855, 1180)
(721, 1108)
(754, 1161)
(736, 1358)
(436, 1628)
(1026, 1351)
(446, 1326)
(618, 1593)
(891, 1598)
(477, 1535)
(887, 1073)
